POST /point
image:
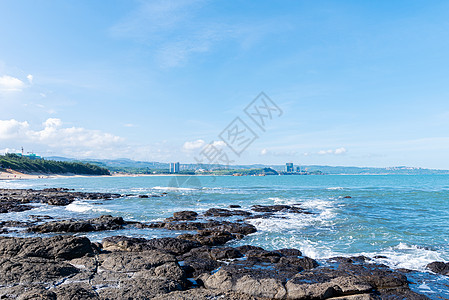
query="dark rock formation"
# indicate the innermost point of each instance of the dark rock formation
(439, 267)
(66, 267)
(57, 247)
(278, 208)
(183, 216)
(221, 212)
(170, 245)
(105, 222)
(16, 199)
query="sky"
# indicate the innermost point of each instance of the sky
(349, 83)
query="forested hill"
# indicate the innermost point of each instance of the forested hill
(28, 165)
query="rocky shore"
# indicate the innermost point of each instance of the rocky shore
(198, 264)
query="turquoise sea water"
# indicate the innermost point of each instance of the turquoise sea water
(403, 218)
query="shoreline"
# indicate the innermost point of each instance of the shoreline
(202, 264)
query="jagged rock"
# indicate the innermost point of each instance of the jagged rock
(75, 291)
(245, 248)
(439, 267)
(289, 252)
(33, 270)
(38, 293)
(208, 237)
(321, 286)
(134, 261)
(176, 246)
(171, 245)
(183, 216)
(204, 294)
(6, 207)
(62, 247)
(221, 212)
(256, 286)
(263, 256)
(277, 208)
(305, 263)
(225, 253)
(13, 199)
(105, 222)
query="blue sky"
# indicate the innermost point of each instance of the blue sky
(359, 83)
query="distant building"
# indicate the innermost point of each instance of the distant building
(289, 167)
(174, 167)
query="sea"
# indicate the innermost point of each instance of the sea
(398, 220)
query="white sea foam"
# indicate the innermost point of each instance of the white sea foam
(323, 213)
(83, 207)
(335, 188)
(409, 256)
(173, 188)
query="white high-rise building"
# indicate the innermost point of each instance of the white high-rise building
(174, 167)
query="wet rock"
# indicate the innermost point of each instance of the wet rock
(235, 206)
(38, 293)
(277, 208)
(135, 261)
(252, 282)
(263, 256)
(6, 207)
(198, 261)
(57, 247)
(183, 216)
(404, 293)
(289, 252)
(303, 263)
(221, 212)
(13, 199)
(105, 222)
(124, 243)
(322, 286)
(439, 267)
(75, 292)
(143, 196)
(225, 253)
(171, 245)
(33, 270)
(39, 218)
(341, 259)
(245, 248)
(176, 246)
(209, 237)
(204, 294)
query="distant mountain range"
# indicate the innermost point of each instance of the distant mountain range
(132, 166)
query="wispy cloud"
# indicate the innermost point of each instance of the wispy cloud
(177, 30)
(338, 151)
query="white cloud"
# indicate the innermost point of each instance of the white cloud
(190, 146)
(341, 150)
(11, 129)
(264, 151)
(337, 151)
(200, 144)
(11, 84)
(30, 78)
(74, 140)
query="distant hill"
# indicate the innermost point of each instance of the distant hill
(25, 164)
(140, 167)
